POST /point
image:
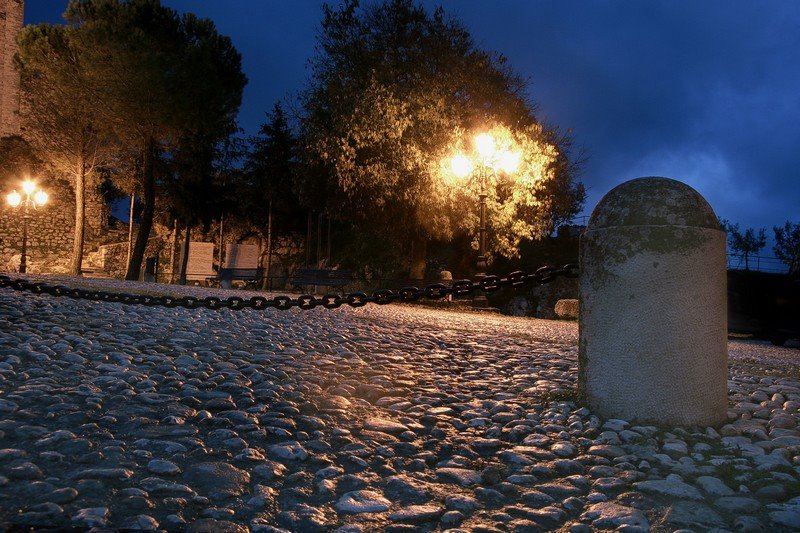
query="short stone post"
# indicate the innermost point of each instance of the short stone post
(653, 306)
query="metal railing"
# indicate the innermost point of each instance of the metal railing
(757, 263)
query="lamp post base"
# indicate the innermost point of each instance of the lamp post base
(479, 301)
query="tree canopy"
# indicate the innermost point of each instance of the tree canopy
(270, 176)
(60, 110)
(787, 245)
(163, 82)
(744, 243)
(394, 90)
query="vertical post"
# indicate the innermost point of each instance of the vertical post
(308, 240)
(328, 251)
(130, 231)
(172, 251)
(482, 266)
(221, 239)
(319, 240)
(23, 262)
(480, 300)
(267, 283)
(653, 307)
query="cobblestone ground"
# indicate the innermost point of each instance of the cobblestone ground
(393, 418)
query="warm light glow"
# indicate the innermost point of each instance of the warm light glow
(484, 143)
(28, 186)
(509, 161)
(40, 198)
(461, 165)
(14, 199)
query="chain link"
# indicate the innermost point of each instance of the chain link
(436, 291)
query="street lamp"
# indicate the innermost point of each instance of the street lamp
(489, 158)
(34, 197)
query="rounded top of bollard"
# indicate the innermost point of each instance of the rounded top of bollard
(653, 201)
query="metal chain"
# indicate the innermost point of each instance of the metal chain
(435, 291)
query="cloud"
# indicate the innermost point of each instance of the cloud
(701, 91)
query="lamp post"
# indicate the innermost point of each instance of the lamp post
(488, 158)
(33, 197)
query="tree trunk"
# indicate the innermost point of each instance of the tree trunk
(130, 230)
(80, 220)
(419, 255)
(185, 255)
(149, 201)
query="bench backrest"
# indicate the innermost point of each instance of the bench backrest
(230, 274)
(309, 276)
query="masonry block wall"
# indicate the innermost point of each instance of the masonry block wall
(50, 232)
(11, 14)
(51, 229)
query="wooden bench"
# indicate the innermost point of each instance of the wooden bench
(324, 277)
(226, 276)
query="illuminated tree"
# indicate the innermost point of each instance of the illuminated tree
(394, 90)
(162, 80)
(61, 116)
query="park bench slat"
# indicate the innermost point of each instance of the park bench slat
(321, 276)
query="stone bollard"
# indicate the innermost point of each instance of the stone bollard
(653, 307)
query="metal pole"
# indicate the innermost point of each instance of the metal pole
(268, 280)
(221, 242)
(308, 240)
(480, 299)
(172, 252)
(319, 240)
(328, 254)
(23, 266)
(482, 266)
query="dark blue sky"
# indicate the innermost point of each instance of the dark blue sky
(705, 92)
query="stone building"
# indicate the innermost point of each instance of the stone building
(51, 228)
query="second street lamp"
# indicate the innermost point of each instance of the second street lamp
(34, 197)
(488, 159)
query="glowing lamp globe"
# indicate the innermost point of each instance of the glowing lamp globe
(461, 165)
(484, 143)
(14, 199)
(508, 161)
(40, 198)
(28, 186)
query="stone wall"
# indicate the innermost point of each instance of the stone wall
(51, 229)
(11, 14)
(50, 232)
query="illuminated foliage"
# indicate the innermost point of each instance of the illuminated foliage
(395, 90)
(61, 116)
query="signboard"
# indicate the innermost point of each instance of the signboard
(200, 264)
(241, 256)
